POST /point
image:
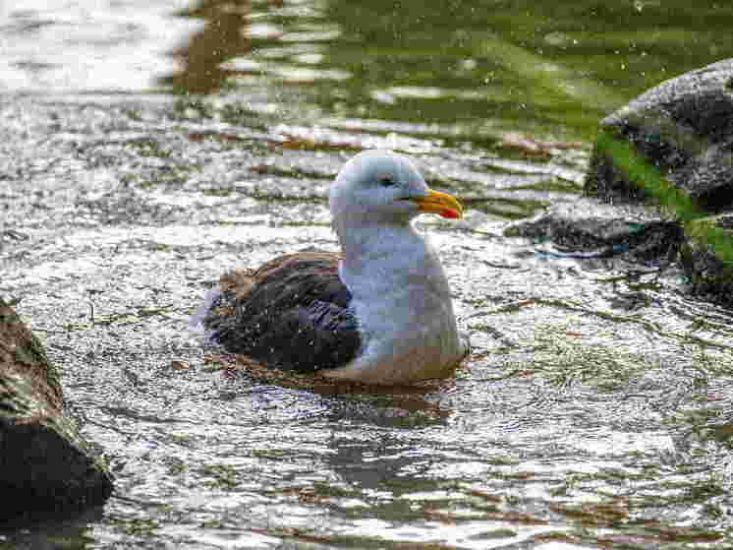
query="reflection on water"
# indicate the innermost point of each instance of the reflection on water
(486, 68)
(69, 46)
(224, 36)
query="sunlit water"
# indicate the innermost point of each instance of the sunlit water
(595, 408)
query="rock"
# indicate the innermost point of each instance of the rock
(602, 238)
(44, 465)
(684, 126)
(632, 233)
(710, 271)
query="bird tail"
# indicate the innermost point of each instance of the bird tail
(197, 321)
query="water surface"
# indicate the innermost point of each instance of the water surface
(147, 148)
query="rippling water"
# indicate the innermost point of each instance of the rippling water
(145, 149)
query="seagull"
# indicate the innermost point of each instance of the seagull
(379, 312)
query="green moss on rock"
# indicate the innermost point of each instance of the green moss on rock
(710, 271)
(44, 465)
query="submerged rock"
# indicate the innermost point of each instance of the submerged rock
(709, 271)
(44, 464)
(684, 127)
(598, 237)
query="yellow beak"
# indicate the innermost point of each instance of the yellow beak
(443, 204)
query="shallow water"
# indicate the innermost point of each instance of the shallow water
(595, 409)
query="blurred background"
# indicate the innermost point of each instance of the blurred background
(476, 68)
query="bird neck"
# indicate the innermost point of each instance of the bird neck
(392, 264)
(365, 244)
(401, 300)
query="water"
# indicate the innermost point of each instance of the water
(595, 409)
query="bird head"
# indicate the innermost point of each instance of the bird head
(385, 187)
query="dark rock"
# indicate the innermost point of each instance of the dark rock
(598, 237)
(711, 276)
(684, 126)
(704, 247)
(44, 464)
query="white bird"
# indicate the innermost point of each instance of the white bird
(378, 313)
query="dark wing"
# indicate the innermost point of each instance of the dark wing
(291, 313)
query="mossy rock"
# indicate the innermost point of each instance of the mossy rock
(684, 127)
(674, 144)
(710, 274)
(45, 467)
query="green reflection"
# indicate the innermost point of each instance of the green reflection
(482, 67)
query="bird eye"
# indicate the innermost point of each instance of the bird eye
(386, 180)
